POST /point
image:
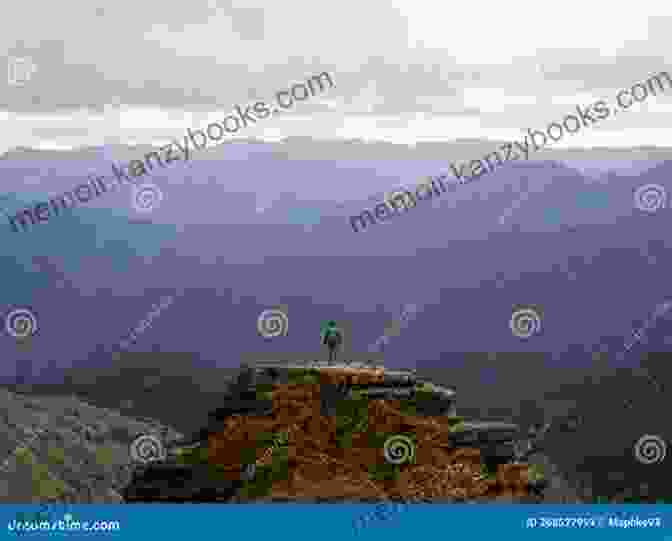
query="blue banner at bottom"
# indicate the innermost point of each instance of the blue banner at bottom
(328, 522)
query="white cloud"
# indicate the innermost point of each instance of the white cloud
(491, 68)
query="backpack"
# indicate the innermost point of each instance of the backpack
(333, 336)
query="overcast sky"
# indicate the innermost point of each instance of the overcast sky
(404, 70)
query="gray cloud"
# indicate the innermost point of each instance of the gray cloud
(213, 54)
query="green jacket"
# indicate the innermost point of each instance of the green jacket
(332, 331)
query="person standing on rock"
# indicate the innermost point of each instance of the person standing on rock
(332, 337)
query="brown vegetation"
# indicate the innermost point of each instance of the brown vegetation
(319, 465)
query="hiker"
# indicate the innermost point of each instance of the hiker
(332, 337)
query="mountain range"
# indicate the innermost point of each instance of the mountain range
(226, 244)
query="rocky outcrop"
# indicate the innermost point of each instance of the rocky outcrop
(60, 449)
(335, 424)
(173, 482)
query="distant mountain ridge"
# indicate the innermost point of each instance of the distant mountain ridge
(95, 252)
